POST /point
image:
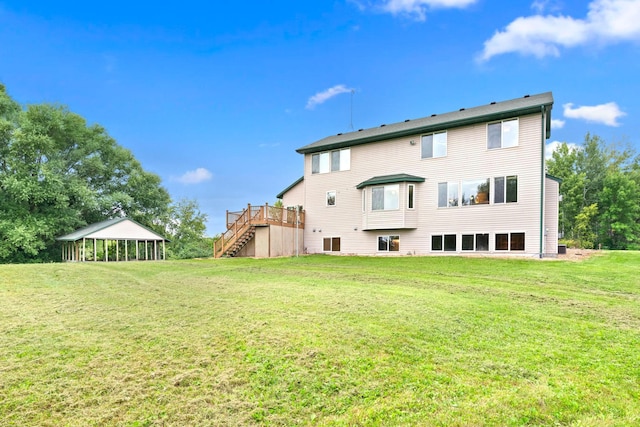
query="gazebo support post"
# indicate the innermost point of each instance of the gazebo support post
(126, 250)
(164, 253)
(106, 250)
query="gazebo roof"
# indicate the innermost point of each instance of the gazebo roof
(113, 229)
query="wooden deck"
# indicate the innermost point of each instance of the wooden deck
(241, 226)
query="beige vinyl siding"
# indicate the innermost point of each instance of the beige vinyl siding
(295, 196)
(552, 192)
(467, 158)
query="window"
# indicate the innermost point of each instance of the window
(338, 160)
(436, 243)
(331, 244)
(434, 145)
(410, 195)
(482, 242)
(503, 134)
(517, 242)
(508, 192)
(513, 241)
(467, 242)
(447, 194)
(477, 242)
(385, 197)
(475, 192)
(449, 242)
(331, 198)
(389, 243)
(445, 242)
(364, 200)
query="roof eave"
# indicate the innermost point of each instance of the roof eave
(431, 128)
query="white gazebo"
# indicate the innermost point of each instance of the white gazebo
(118, 239)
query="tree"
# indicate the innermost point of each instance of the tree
(58, 174)
(600, 201)
(186, 230)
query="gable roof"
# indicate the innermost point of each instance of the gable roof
(389, 179)
(528, 104)
(116, 228)
(283, 192)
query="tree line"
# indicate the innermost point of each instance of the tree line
(58, 174)
(600, 190)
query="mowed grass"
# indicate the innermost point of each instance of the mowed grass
(321, 340)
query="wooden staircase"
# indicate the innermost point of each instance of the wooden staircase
(241, 226)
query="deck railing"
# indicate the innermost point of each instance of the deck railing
(239, 223)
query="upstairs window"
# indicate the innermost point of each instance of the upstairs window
(385, 197)
(331, 198)
(410, 196)
(475, 192)
(331, 161)
(447, 194)
(503, 134)
(434, 145)
(506, 189)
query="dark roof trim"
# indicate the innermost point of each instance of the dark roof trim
(495, 111)
(283, 192)
(554, 178)
(389, 179)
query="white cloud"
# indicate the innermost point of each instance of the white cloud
(607, 21)
(553, 146)
(557, 124)
(418, 8)
(324, 96)
(607, 114)
(195, 176)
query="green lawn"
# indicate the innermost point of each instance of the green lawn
(322, 340)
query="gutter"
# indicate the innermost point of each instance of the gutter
(542, 178)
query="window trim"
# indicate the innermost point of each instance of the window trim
(389, 244)
(505, 199)
(502, 134)
(443, 239)
(509, 242)
(335, 197)
(331, 244)
(384, 192)
(325, 161)
(433, 144)
(448, 199)
(411, 196)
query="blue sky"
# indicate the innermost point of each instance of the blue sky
(215, 97)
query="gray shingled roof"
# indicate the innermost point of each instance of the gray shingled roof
(93, 228)
(463, 117)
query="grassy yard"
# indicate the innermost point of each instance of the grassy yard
(322, 340)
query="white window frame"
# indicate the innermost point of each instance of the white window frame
(453, 195)
(331, 239)
(509, 134)
(386, 200)
(505, 191)
(442, 237)
(389, 239)
(436, 143)
(325, 161)
(329, 194)
(411, 196)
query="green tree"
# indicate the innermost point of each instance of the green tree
(186, 228)
(583, 227)
(58, 174)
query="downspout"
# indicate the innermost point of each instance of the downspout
(542, 176)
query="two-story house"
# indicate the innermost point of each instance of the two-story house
(468, 181)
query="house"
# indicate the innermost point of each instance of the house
(468, 181)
